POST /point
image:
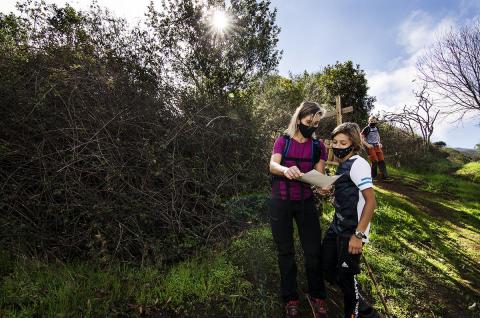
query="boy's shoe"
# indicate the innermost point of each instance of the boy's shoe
(292, 309)
(319, 307)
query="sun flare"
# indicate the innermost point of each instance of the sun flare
(219, 22)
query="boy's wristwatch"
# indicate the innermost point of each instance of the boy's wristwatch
(360, 235)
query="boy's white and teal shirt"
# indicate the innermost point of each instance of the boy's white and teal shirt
(349, 200)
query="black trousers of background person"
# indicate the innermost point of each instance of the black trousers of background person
(282, 214)
(340, 267)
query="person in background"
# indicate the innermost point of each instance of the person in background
(295, 153)
(371, 139)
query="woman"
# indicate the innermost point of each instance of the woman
(354, 205)
(294, 154)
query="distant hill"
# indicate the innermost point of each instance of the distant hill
(469, 152)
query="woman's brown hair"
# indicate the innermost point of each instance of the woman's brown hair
(305, 109)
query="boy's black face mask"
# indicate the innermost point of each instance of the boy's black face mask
(342, 152)
(306, 131)
(373, 124)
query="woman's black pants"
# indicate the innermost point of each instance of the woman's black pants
(305, 214)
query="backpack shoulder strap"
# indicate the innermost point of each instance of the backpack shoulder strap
(366, 131)
(316, 151)
(285, 148)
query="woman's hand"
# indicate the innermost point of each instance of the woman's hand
(292, 173)
(355, 245)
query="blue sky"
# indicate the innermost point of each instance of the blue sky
(319, 32)
(384, 36)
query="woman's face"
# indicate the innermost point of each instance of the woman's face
(341, 141)
(311, 120)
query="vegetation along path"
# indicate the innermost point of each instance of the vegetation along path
(424, 254)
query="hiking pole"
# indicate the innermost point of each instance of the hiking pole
(377, 288)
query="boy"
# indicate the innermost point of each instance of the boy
(354, 207)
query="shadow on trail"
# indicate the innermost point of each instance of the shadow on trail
(432, 231)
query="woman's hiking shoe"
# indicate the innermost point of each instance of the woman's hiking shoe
(319, 307)
(292, 309)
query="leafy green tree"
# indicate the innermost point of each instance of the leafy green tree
(277, 97)
(350, 82)
(440, 144)
(120, 141)
(222, 61)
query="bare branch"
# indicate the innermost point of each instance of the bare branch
(417, 118)
(452, 69)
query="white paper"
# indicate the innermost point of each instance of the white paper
(318, 179)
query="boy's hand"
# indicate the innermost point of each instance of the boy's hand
(380, 145)
(355, 245)
(369, 146)
(325, 191)
(293, 173)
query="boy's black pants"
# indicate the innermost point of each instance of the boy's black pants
(340, 267)
(282, 214)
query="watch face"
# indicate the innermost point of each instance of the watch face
(360, 235)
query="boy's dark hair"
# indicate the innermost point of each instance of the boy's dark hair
(352, 130)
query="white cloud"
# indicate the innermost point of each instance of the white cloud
(394, 87)
(419, 31)
(414, 31)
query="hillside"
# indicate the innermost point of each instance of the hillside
(424, 253)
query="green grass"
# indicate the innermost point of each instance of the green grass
(435, 183)
(471, 171)
(457, 158)
(38, 289)
(34, 288)
(233, 282)
(424, 253)
(421, 261)
(443, 160)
